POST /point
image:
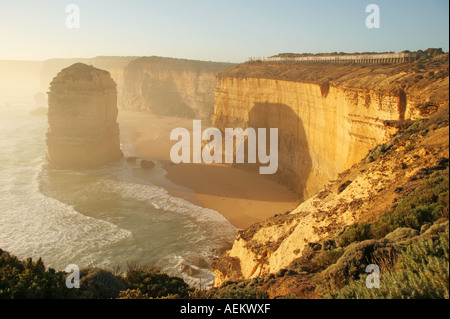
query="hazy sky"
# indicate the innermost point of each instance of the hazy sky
(217, 30)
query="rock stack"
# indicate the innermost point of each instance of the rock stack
(82, 115)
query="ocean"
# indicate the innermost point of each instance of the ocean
(105, 217)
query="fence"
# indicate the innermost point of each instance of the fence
(403, 57)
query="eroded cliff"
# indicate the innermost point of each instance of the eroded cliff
(331, 119)
(328, 116)
(83, 130)
(167, 86)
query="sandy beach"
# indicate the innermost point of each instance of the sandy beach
(241, 196)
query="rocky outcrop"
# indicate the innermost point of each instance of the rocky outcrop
(175, 87)
(82, 115)
(114, 65)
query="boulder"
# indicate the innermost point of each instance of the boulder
(223, 247)
(189, 270)
(147, 164)
(200, 262)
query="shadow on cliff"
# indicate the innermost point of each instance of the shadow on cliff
(147, 93)
(294, 160)
(164, 97)
(244, 181)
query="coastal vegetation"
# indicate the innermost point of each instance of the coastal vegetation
(28, 279)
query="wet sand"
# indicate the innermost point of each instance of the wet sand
(241, 196)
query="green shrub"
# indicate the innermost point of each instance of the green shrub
(155, 284)
(402, 234)
(133, 294)
(421, 271)
(326, 258)
(353, 263)
(137, 294)
(300, 264)
(31, 280)
(240, 290)
(354, 233)
(97, 283)
(426, 205)
(316, 262)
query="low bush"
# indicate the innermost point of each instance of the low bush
(155, 284)
(327, 258)
(28, 279)
(354, 233)
(426, 205)
(240, 290)
(97, 283)
(421, 271)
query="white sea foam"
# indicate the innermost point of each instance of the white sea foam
(34, 225)
(159, 198)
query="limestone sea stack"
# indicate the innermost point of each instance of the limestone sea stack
(82, 115)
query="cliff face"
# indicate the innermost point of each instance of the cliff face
(320, 133)
(83, 130)
(329, 118)
(167, 86)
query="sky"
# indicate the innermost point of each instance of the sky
(217, 30)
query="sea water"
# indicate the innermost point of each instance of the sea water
(103, 217)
